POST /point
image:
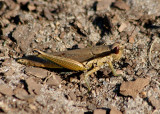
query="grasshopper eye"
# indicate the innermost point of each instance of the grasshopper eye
(116, 50)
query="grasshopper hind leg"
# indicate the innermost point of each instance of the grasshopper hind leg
(87, 75)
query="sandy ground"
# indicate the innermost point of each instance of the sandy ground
(60, 25)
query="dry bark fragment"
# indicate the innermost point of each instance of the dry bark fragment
(37, 72)
(99, 111)
(54, 80)
(33, 87)
(121, 5)
(6, 90)
(115, 111)
(104, 4)
(133, 88)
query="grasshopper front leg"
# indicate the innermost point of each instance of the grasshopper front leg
(97, 63)
(112, 69)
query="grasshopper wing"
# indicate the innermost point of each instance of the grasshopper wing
(62, 61)
(84, 54)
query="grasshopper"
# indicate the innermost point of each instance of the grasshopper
(87, 59)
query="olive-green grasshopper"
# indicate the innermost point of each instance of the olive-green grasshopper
(87, 59)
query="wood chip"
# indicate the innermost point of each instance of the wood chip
(122, 27)
(115, 111)
(31, 7)
(10, 72)
(133, 88)
(155, 102)
(33, 87)
(22, 94)
(99, 111)
(121, 5)
(48, 14)
(6, 90)
(22, 1)
(32, 106)
(104, 4)
(131, 39)
(72, 96)
(37, 72)
(5, 107)
(54, 80)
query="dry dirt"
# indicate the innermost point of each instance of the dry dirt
(58, 25)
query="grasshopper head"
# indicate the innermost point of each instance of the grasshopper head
(117, 50)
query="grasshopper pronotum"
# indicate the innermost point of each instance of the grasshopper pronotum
(86, 59)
